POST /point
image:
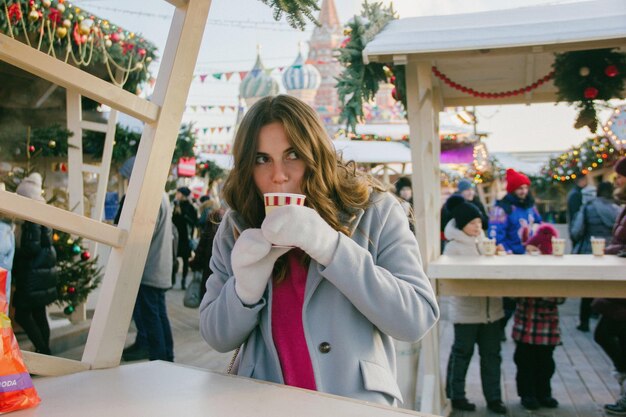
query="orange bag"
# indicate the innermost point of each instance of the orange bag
(16, 386)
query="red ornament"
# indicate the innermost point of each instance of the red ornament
(85, 255)
(63, 167)
(394, 94)
(71, 290)
(31, 148)
(611, 71)
(392, 80)
(114, 37)
(591, 93)
(141, 52)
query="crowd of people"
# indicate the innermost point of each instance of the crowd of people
(517, 228)
(313, 295)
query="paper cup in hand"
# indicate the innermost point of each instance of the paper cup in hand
(273, 200)
(489, 247)
(597, 246)
(558, 246)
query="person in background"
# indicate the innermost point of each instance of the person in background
(466, 189)
(574, 203)
(204, 251)
(34, 271)
(404, 191)
(184, 218)
(312, 295)
(7, 250)
(541, 241)
(610, 334)
(512, 221)
(154, 339)
(476, 319)
(595, 219)
(618, 240)
(536, 333)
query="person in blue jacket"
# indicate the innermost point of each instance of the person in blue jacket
(514, 219)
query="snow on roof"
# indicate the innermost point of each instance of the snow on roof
(373, 152)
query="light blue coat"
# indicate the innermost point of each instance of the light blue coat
(7, 250)
(373, 289)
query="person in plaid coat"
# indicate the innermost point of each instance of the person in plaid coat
(536, 333)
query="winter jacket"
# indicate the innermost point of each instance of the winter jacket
(574, 204)
(513, 221)
(34, 268)
(618, 241)
(537, 321)
(612, 308)
(184, 217)
(596, 219)
(469, 309)
(157, 272)
(373, 289)
(7, 250)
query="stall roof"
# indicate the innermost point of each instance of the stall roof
(501, 50)
(373, 152)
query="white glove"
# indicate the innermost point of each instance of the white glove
(304, 228)
(253, 259)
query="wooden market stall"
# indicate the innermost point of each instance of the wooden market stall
(97, 385)
(479, 59)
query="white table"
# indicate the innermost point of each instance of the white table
(159, 389)
(527, 275)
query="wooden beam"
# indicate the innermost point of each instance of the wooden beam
(46, 365)
(94, 126)
(54, 70)
(178, 3)
(45, 95)
(75, 183)
(54, 217)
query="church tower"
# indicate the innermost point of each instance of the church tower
(324, 40)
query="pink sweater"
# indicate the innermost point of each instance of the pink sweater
(287, 327)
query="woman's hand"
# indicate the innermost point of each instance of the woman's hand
(253, 259)
(301, 227)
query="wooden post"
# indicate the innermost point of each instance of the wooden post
(75, 153)
(122, 277)
(425, 148)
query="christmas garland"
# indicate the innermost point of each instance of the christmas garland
(297, 11)
(358, 83)
(594, 153)
(73, 35)
(585, 77)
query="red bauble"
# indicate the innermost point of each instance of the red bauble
(394, 94)
(85, 255)
(591, 93)
(71, 290)
(611, 71)
(392, 80)
(63, 167)
(31, 148)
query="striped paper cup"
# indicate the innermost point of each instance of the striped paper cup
(273, 200)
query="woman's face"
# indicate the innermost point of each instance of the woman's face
(277, 169)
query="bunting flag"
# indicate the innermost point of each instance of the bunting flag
(228, 75)
(205, 108)
(212, 130)
(255, 72)
(193, 108)
(217, 75)
(222, 109)
(204, 130)
(228, 129)
(219, 129)
(203, 77)
(242, 74)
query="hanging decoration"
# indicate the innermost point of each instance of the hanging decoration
(595, 153)
(491, 95)
(615, 128)
(585, 78)
(79, 273)
(359, 82)
(75, 36)
(296, 11)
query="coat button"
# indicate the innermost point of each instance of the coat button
(324, 347)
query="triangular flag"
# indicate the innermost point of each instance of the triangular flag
(242, 74)
(205, 108)
(212, 129)
(281, 69)
(204, 130)
(210, 107)
(203, 77)
(219, 129)
(217, 76)
(231, 108)
(222, 108)
(228, 75)
(255, 72)
(227, 129)
(193, 108)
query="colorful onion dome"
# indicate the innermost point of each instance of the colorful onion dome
(301, 76)
(257, 83)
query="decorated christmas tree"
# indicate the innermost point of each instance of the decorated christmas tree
(79, 273)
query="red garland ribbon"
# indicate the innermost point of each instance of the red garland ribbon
(15, 13)
(483, 94)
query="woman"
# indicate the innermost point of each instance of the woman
(35, 272)
(320, 316)
(618, 241)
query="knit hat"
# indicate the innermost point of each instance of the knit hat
(31, 187)
(542, 238)
(401, 183)
(184, 191)
(620, 166)
(515, 179)
(465, 184)
(462, 211)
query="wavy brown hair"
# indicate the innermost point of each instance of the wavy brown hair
(331, 185)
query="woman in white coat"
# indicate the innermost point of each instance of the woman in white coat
(322, 315)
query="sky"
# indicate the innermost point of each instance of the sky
(237, 27)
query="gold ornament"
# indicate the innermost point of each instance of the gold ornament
(85, 27)
(80, 18)
(33, 16)
(70, 241)
(52, 144)
(139, 65)
(46, 3)
(347, 31)
(61, 32)
(108, 43)
(67, 23)
(149, 59)
(584, 71)
(61, 7)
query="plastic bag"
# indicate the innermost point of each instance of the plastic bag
(16, 386)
